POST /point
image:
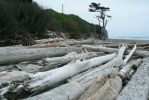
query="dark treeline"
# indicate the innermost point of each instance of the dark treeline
(22, 21)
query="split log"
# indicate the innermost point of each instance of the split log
(124, 72)
(60, 61)
(78, 85)
(28, 54)
(138, 87)
(107, 91)
(140, 53)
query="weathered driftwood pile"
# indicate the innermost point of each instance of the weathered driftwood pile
(75, 70)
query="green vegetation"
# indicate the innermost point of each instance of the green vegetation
(22, 21)
(72, 24)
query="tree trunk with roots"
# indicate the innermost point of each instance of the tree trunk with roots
(103, 34)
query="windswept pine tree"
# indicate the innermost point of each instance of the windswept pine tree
(102, 18)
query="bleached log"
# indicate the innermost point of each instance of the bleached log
(116, 62)
(78, 85)
(99, 48)
(95, 93)
(59, 61)
(108, 91)
(124, 72)
(43, 41)
(44, 80)
(89, 41)
(57, 44)
(138, 87)
(94, 87)
(140, 53)
(73, 89)
(28, 54)
(129, 55)
(116, 45)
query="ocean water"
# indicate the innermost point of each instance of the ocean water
(131, 38)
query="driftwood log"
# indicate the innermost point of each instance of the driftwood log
(73, 89)
(140, 53)
(116, 45)
(44, 80)
(138, 87)
(27, 54)
(89, 41)
(44, 41)
(60, 61)
(102, 92)
(124, 73)
(79, 84)
(104, 89)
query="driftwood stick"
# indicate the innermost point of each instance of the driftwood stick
(129, 55)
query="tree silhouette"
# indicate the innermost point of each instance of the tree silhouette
(102, 17)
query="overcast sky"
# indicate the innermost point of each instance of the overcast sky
(130, 18)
